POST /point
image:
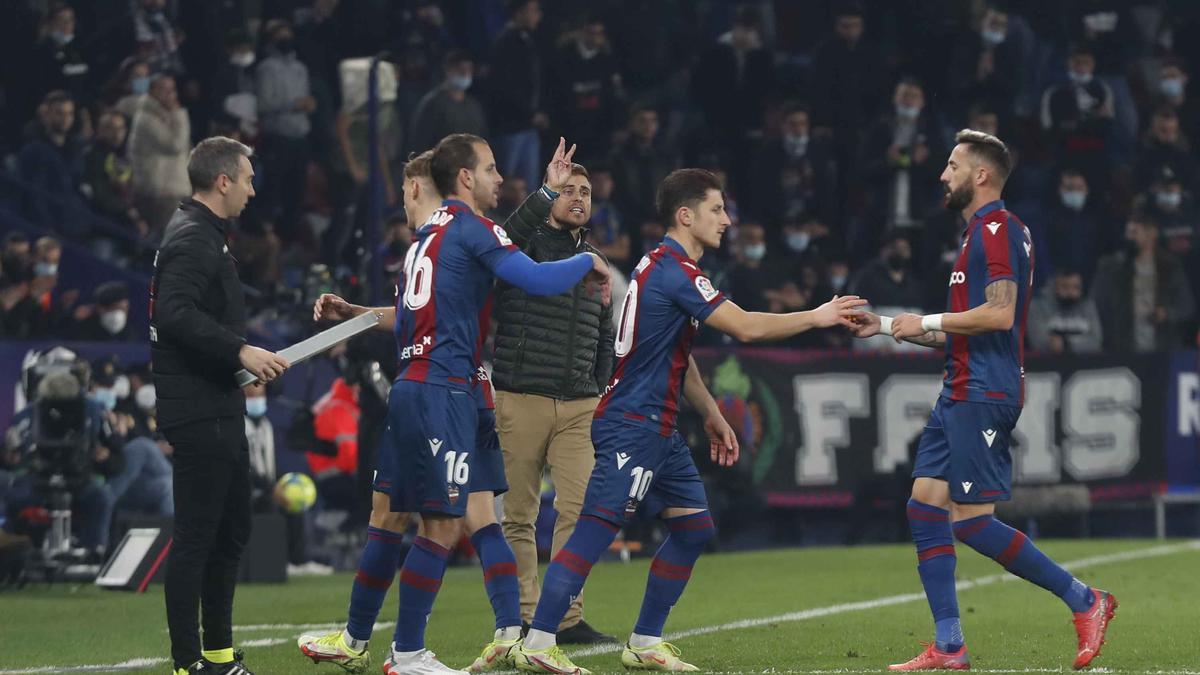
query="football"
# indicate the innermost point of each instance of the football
(296, 492)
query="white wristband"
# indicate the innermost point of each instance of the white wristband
(931, 322)
(885, 325)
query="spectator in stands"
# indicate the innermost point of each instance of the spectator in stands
(517, 80)
(1164, 145)
(157, 38)
(285, 104)
(234, 89)
(448, 108)
(422, 45)
(733, 79)
(638, 165)
(160, 138)
(1074, 233)
(20, 315)
(605, 228)
(586, 89)
(983, 117)
(259, 254)
(1062, 320)
(108, 175)
(335, 420)
(52, 163)
(888, 281)
(131, 80)
(108, 318)
(753, 275)
(651, 235)
(986, 65)
(1174, 209)
(58, 60)
(902, 161)
(803, 233)
(1142, 293)
(1172, 92)
(17, 254)
(796, 173)
(1078, 115)
(845, 79)
(54, 307)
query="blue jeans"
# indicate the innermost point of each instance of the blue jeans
(144, 483)
(518, 155)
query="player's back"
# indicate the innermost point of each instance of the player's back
(990, 367)
(446, 280)
(667, 300)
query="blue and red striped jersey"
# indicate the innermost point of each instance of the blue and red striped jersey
(445, 284)
(667, 300)
(990, 368)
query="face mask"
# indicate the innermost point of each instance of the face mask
(114, 321)
(798, 241)
(1080, 78)
(1073, 199)
(896, 262)
(796, 145)
(993, 37)
(587, 53)
(121, 387)
(838, 281)
(755, 251)
(908, 112)
(145, 397)
(459, 82)
(1168, 200)
(1171, 88)
(45, 269)
(61, 38)
(243, 60)
(140, 84)
(256, 406)
(106, 398)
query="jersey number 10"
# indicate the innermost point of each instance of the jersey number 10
(625, 332)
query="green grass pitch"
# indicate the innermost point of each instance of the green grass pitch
(803, 610)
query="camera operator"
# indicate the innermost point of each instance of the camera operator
(92, 501)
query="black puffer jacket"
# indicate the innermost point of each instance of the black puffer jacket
(197, 320)
(559, 346)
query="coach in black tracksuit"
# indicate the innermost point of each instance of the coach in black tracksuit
(197, 336)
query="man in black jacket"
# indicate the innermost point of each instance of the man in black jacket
(197, 336)
(554, 355)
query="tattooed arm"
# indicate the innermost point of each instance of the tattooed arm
(997, 313)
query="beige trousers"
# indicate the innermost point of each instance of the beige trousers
(536, 432)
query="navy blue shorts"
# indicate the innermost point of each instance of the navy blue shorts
(487, 466)
(427, 451)
(638, 468)
(967, 445)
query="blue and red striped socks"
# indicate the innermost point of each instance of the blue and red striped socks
(420, 579)
(671, 569)
(499, 574)
(376, 570)
(569, 569)
(936, 561)
(1012, 549)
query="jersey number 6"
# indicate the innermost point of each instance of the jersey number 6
(418, 275)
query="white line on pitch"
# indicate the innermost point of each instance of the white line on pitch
(1136, 554)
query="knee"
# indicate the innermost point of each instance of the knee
(390, 521)
(695, 530)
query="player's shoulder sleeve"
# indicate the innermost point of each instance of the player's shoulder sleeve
(690, 289)
(485, 239)
(997, 233)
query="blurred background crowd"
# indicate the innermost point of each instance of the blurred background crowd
(829, 120)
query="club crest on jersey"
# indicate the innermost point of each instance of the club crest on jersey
(452, 493)
(631, 507)
(705, 287)
(501, 235)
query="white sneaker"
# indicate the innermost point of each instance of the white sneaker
(424, 663)
(309, 569)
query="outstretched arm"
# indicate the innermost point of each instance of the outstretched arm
(762, 326)
(997, 313)
(334, 308)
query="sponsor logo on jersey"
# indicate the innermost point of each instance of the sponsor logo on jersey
(989, 436)
(958, 278)
(992, 227)
(967, 486)
(622, 458)
(435, 444)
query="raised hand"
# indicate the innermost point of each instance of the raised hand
(558, 171)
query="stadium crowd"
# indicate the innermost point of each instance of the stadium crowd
(829, 122)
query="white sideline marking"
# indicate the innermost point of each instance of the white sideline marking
(1137, 554)
(818, 612)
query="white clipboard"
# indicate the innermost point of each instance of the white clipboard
(321, 342)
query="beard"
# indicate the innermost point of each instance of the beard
(958, 199)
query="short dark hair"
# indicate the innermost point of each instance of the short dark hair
(849, 8)
(418, 165)
(212, 157)
(57, 96)
(683, 187)
(1082, 48)
(580, 170)
(515, 6)
(987, 148)
(451, 155)
(1144, 217)
(456, 56)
